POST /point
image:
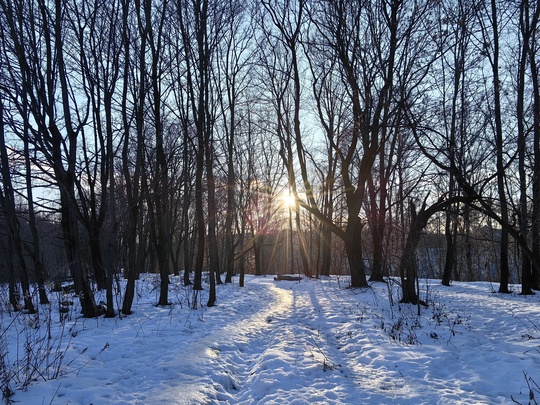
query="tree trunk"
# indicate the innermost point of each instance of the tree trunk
(377, 218)
(231, 178)
(188, 237)
(326, 248)
(499, 143)
(304, 252)
(14, 293)
(535, 231)
(409, 265)
(526, 273)
(131, 178)
(468, 243)
(7, 203)
(450, 260)
(162, 216)
(212, 239)
(241, 281)
(353, 248)
(199, 217)
(257, 252)
(229, 243)
(457, 90)
(112, 240)
(131, 241)
(35, 251)
(97, 257)
(72, 244)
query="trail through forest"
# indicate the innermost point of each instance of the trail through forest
(307, 342)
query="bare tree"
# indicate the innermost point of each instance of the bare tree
(488, 17)
(488, 191)
(151, 24)
(99, 35)
(283, 69)
(459, 17)
(370, 45)
(529, 13)
(201, 23)
(38, 38)
(331, 106)
(533, 50)
(133, 158)
(234, 56)
(22, 131)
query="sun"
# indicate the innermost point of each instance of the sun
(288, 200)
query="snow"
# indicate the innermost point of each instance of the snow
(283, 342)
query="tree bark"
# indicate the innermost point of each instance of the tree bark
(35, 250)
(408, 266)
(7, 200)
(535, 231)
(132, 174)
(499, 144)
(526, 268)
(353, 248)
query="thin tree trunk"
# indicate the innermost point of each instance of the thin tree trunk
(535, 231)
(7, 198)
(231, 178)
(132, 178)
(14, 293)
(499, 143)
(35, 251)
(326, 248)
(199, 217)
(526, 273)
(450, 259)
(212, 239)
(231, 207)
(188, 237)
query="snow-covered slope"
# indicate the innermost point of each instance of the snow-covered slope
(282, 342)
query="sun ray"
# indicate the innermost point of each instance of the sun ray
(288, 200)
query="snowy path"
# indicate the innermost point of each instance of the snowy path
(304, 343)
(308, 342)
(312, 344)
(275, 353)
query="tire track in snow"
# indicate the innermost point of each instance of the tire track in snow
(225, 356)
(250, 342)
(290, 359)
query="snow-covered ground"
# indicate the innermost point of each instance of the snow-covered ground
(283, 342)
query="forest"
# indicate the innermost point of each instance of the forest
(209, 139)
